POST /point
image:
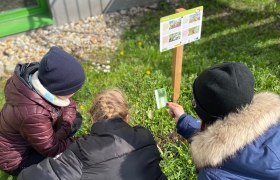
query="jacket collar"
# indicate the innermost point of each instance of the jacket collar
(23, 71)
(225, 137)
(108, 125)
(19, 91)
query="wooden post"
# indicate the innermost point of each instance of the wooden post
(177, 67)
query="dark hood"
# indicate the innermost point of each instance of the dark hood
(19, 90)
(23, 71)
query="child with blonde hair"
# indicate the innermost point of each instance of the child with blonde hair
(108, 104)
(113, 150)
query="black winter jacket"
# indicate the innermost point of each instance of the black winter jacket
(113, 151)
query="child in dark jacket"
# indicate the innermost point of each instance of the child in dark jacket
(238, 136)
(113, 151)
(39, 117)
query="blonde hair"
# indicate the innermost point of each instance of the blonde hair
(109, 104)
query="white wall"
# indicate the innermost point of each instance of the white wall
(65, 11)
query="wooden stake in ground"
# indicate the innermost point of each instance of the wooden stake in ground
(177, 68)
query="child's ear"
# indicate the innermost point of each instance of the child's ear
(125, 118)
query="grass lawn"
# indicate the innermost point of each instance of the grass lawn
(245, 31)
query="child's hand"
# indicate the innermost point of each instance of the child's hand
(175, 110)
(69, 112)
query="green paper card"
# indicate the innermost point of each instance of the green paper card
(161, 97)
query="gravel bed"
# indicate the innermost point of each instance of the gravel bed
(83, 39)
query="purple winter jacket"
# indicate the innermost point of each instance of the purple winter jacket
(27, 121)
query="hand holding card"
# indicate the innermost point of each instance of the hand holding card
(175, 110)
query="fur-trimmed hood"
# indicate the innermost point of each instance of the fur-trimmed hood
(225, 137)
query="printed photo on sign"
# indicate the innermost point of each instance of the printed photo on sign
(195, 17)
(174, 23)
(174, 37)
(194, 30)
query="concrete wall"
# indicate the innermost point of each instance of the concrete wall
(65, 11)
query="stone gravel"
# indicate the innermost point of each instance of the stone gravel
(83, 39)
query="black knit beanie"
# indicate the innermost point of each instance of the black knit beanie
(222, 89)
(60, 73)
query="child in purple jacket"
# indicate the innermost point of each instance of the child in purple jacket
(39, 116)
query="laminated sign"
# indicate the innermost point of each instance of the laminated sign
(180, 28)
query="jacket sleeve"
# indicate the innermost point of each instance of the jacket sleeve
(68, 118)
(208, 174)
(187, 126)
(38, 131)
(64, 166)
(69, 112)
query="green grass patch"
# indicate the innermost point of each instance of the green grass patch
(245, 31)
